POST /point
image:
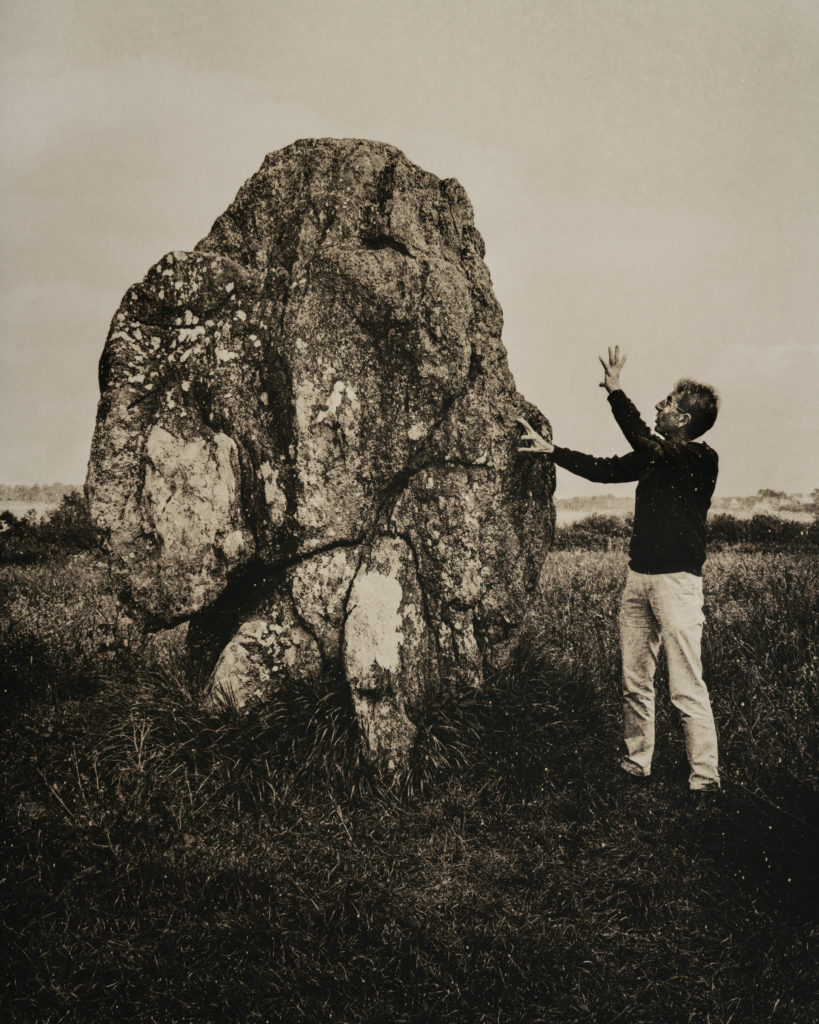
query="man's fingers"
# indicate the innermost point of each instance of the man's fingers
(531, 433)
(616, 361)
(539, 444)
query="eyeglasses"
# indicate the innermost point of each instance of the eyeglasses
(667, 403)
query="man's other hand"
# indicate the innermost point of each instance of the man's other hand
(539, 444)
(611, 369)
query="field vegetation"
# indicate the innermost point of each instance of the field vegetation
(168, 864)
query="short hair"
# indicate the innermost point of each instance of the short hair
(700, 401)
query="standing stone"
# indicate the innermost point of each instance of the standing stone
(306, 441)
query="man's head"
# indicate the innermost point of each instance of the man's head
(689, 410)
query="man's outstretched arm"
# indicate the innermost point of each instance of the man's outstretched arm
(617, 469)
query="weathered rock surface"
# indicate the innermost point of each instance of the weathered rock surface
(306, 440)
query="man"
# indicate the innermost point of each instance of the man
(662, 600)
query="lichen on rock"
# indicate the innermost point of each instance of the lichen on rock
(317, 400)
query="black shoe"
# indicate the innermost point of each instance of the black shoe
(627, 778)
(702, 799)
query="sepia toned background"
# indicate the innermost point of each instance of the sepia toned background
(643, 173)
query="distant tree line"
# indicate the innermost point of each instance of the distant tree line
(767, 500)
(596, 503)
(68, 529)
(51, 494)
(764, 501)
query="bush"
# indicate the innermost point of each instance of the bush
(67, 530)
(598, 532)
(762, 531)
(595, 533)
(70, 524)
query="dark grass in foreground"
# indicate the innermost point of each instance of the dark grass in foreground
(164, 864)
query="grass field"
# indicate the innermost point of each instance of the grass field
(165, 864)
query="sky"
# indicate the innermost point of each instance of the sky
(644, 173)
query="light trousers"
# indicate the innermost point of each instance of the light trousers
(666, 608)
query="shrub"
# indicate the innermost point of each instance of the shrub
(595, 533)
(66, 530)
(761, 531)
(70, 525)
(598, 532)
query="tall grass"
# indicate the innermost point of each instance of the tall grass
(167, 863)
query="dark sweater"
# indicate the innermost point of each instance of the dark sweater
(675, 482)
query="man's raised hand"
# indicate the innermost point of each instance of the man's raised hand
(539, 443)
(611, 369)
